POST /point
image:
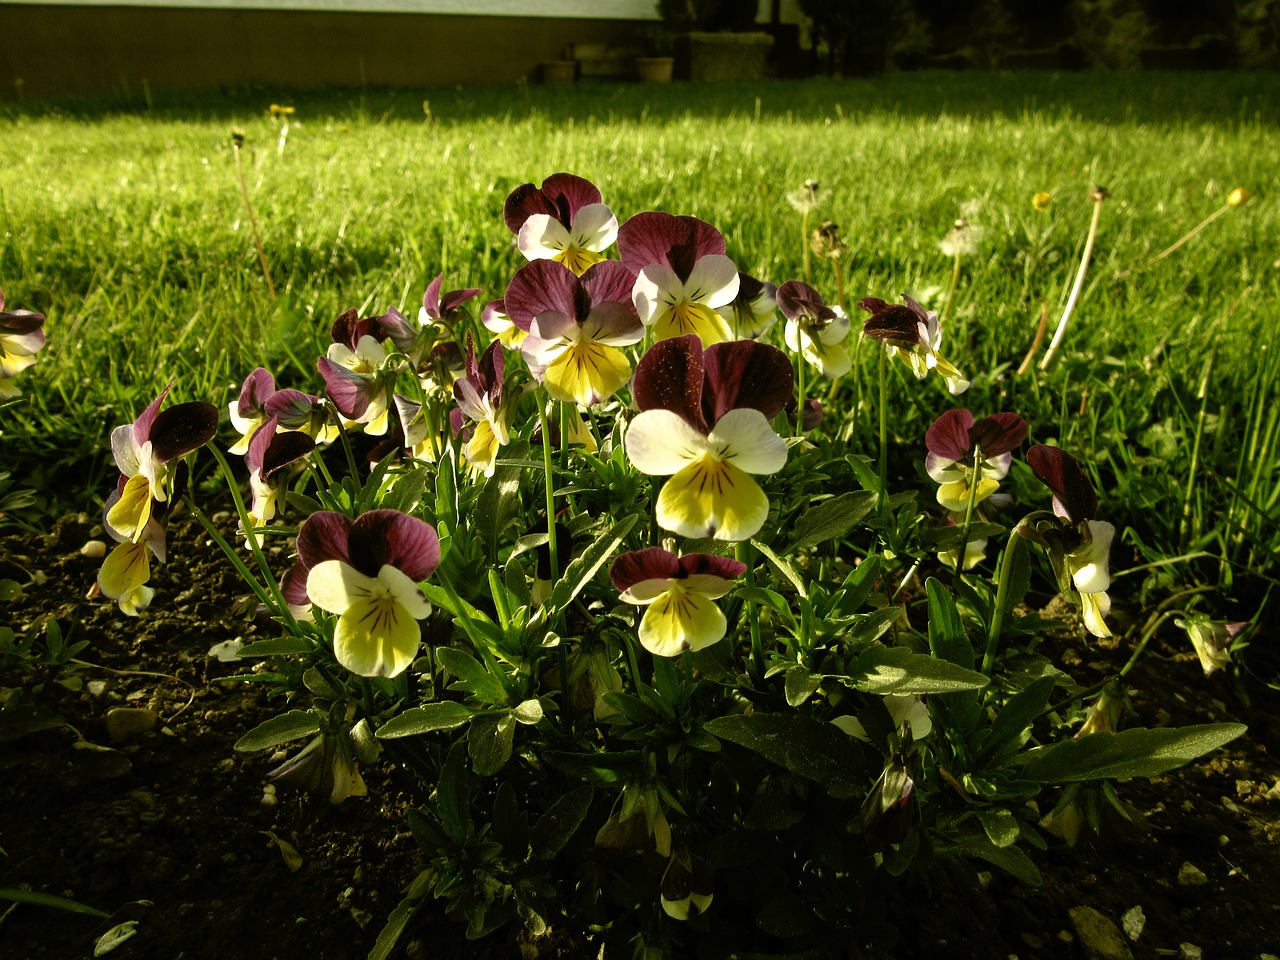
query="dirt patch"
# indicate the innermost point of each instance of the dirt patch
(171, 829)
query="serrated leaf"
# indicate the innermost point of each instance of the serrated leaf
(555, 827)
(831, 519)
(427, 718)
(881, 670)
(390, 934)
(473, 676)
(810, 748)
(580, 572)
(1139, 752)
(407, 491)
(270, 733)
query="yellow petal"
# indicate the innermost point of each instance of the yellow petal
(126, 569)
(586, 373)
(481, 450)
(376, 637)
(577, 259)
(684, 318)
(679, 621)
(129, 515)
(712, 498)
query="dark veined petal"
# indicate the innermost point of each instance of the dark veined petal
(677, 242)
(948, 436)
(323, 536)
(671, 376)
(451, 300)
(654, 563)
(142, 426)
(1062, 474)
(431, 298)
(393, 324)
(285, 448)
(522, 203)
(350, 392)
(747, 373)
(891, 321)
(349, 328)
(182, 428)
(560, 196)
(694, 564)
(542, 286)
(259, 387)
(390, 538)
(21, 323)
(609, 281)
(796, 299)
(998, 434)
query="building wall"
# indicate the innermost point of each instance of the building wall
(55, 49)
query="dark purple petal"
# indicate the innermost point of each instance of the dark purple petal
(293, 585)
(998, 433)
(708, 563)
(182, 428)
(391, 538)
(746, 373)
(892, 322)
(285, 448)
(569, 194)
(451, 301)
(677, 242)
(540, 287)
(457, 420)
(258, 388)
(142, 426)
(915, 308)
(323, 536)
(491, 367)
(948, 437)
(796, 298)
(292, 407)
(639, 565)
(1060, 472)
(349, 328)
(393, 325)
(813, 415)
(872, 304)
(609, 281)
(525, 201)
(258, 444)
(350, 392)
(20, 323)
(749, 288)
(431, 299)
(671, 376)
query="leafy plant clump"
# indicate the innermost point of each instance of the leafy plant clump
(677, 668)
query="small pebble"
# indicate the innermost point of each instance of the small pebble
(1230, 805)
(1189, 875)
(1189, 951)
(1099, 937)
(94, 549)
(95, 688)
(1133, 922)
(125, 722)
(1223, 840)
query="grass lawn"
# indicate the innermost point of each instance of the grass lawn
(124, 223)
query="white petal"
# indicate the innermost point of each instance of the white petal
(1094, 607)
(405, 592)
(334, 586)
(656, 288)
(1090, 565)
(745, 439)
(542, 237)
(713, 281)
(661, 443)
(594, 227)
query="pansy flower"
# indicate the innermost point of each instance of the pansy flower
(356, 382)
(147, 452)
(915, 335)
(303, 412)
(563, 220)
(367, 572)
(754, 310)
(683, 278)
(270, 451)
(249, 411)
(704, 422)
(495, 320)
(1080, 548)
(814, 330)
(954, 440)
(443, 308)
(679, 594)
(21, 336)
(576, 326)
(479, 396)
(1211, 639)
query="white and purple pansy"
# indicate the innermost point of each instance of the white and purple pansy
(249, 411)
(21, 337)
(704, 422)
(679, 594)
(814, 330)
(576, 327)
(1081, 557)
(563, 220)
(682, 277)
(915, 335)
(479, 397)
(270, 450)
(367, 572)
(752, 313)
(955, 439)
(443, 307)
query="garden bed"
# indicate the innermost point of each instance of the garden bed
(179, 840)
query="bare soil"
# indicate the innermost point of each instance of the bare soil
(172, 830)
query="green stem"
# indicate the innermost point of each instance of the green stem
(800, 364)
(551, 498)
(1054, 345)
(742, 552)
(1146, 636)
(804, 247)
(1189, 494)
(1002, 599)
(883, 372)
(968, 512)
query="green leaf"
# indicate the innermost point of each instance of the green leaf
(1000, 825)
(831, 519)
(898, 670)
(407, 491)
(489, 743)
(274, 647)
(810, 748)
(427, 718)
(947, 639)
(782, 566)
(1012, 725)
(472, 676)
(800, 685)
(453, 794)
(948, 538)
(49, 900)
(528, 712)
(288, 726)
(497, 505)
(867, 628)
(1009, 859)
(392, 929)
(579, 573)
(555, 827)
(1139, 752)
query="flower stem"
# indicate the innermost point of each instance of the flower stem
(968, 512)
(882, 370)
(551, 499)
(1203, 397)
(253, 222)
(1002, 599)
(804, 247)
(1191, 233)
(1099, 195)
(742, 552)
(800, 364)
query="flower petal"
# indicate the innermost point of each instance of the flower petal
(126, 568)
(376, 638)
(586, 373)
(594, 228)
(745, 373)
(538, 287)
(390, 538)
(637, 565)
(671, 376)
(712, 498)
(948, 436)
(745, 437)
(1090, 565)
(998, 434)
(658, 237)
(1094, 607)
(679, 621)
(660, 443)
(129, 515)
(1060, 472)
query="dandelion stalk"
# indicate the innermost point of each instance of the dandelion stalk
(1238, 197)
(1098, 195)
(237, 141)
